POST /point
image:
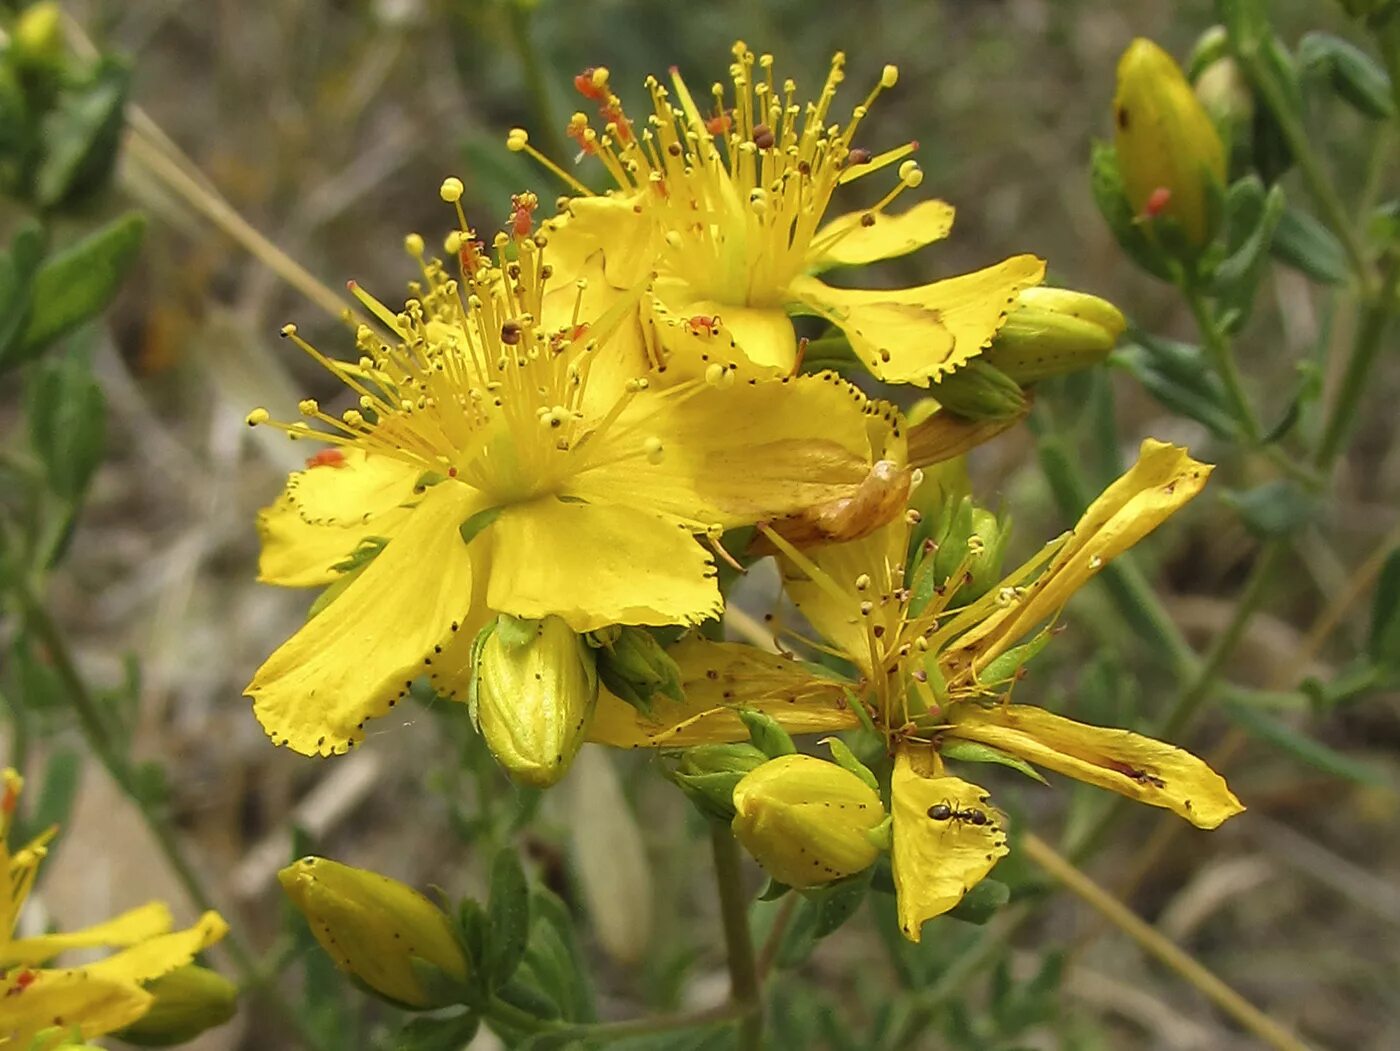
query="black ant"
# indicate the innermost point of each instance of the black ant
(949, 811)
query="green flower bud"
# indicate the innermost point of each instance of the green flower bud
(397, 943)
(981, 391)
(1168, 151)
(964, 552)
(534, 690)
(1052, 331)
(635, 667)
(709, 773)
(38, 36)
(189, 1000)
(807, 821)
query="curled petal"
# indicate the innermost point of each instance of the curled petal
(134, 925)
(857, 238)
(31, 1000)
(354, 490)
(694, 333)
(613, 224)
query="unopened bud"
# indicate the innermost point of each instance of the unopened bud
(1053, 331)
(1165, 141)
(189, 1000)
(535, 685)
(981, 391)
(964, 559)
(709, 773)
(635, 667)
(396, 942)
(38, 36)
(807, 821)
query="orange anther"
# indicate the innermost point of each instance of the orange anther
(326, 458)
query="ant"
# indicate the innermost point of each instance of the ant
(949, 811)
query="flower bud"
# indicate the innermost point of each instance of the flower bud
(38, 36)
(635, 667)
(968, 543)
(396, 942)
(981, 391)
(534, 690)
(807, 821)
(189, 1000)
(1052, 331)
(1169, 153)
(709, 773)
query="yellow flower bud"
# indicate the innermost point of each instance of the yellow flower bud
(535, 689)
(807, 821)
(38, 35)
(189, 1000)
(394, 940)
(1052, 331)
(1168, 150)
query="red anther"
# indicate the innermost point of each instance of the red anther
(719, 125)
(469, 255)
(611, 113)
(352, 284)
(1157, 202)
(583, 84)
(578, 332)
(7, 804)
(705, 323)
(326, 458)
(579, 133)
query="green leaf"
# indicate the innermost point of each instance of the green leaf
(973, 752)
(81, 135)
(1177, 375)
(67, 422)
(982, 902)
(846, 759)
(76, 285)
(57, 790)
(838, 902)
(1356, 77)
(438, 1032)
(773, 891)
(1274, 509)
(508, 918)
(1236, 279)
(477, 522)
(555, 958)
(1383, 641)
(1306, 749)
(18, 268)
(1112, 200)
(1300, 241)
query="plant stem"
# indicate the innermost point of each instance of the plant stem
(98, 734)
(1222, 356)
(547, 128)
(1158, 945)
(744, 987)
(1375, 313)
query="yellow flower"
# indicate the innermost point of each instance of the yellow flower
(931, 675)
(728, 202)
(95, 998)
(508, 453)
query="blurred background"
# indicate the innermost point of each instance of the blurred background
(328, 126)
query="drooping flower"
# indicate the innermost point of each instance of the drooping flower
(508, 453)
(932, 676)
(95, 998)
(727, 203)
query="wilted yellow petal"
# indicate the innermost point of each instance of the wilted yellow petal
(718, 678)
(1127, 763)
(913, 335)
(32, 1001)
(363, 487)
(161, 955)
(135, 925)
(943, 435)
(599, 564)
(1162, 481)
(355, 659)
(882, 497)
(857, 238)
(938, 859)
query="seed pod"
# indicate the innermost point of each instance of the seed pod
(535, 685)
(397, 943)
(1052, 331)
(189, 1000)
(807, 821)
(1169, 153)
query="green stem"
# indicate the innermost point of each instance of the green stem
(98, 734)
(744, 987)
(1223, 358)
(517, 1018)
(1375, 313)
(536, 86)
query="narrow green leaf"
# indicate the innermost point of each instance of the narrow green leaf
(508, 918)
(76, 285)
(57, 790)
(80, 136)
(973, 752)
(18, 268)
(1356, 77)
(838, 902)
(1274, 509)
(982, 902)
(1306, 749)
(1383, 641)
(1303, 243)
(438, 1033)
(67, 423)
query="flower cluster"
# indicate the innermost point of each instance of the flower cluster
(570, 427)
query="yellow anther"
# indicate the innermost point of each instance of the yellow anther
(862, 581)
(600, 77)
(452, 243)
(911, 174)
(413, 245)
(308, 407)
(516, 139)
(451, 189)
(714, 374)
(257, 416)
(889, 76)
(353, 418)
(655, 452)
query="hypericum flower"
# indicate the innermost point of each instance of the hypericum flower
(506, 453)
(933, 677)
(726, 201)
(95, 998)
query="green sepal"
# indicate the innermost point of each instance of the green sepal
(846, 759)
(975, 752)
(982, 902)
(508, 918)
(765, 733)
(773, 891)
(1112, 200)
(1005, 666)
(473, 526)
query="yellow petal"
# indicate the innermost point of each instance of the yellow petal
(363, 487)
(936, 861)
(66, 998)
(914, 335)
(1124, 762)
(355, 659)
(614, 225)
(595, 564)
(162, 954)
(717, 678)
(943, 435)
(857, 238)
(1162, 481)
(731, 456)
(138, 924)
(694, 333)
